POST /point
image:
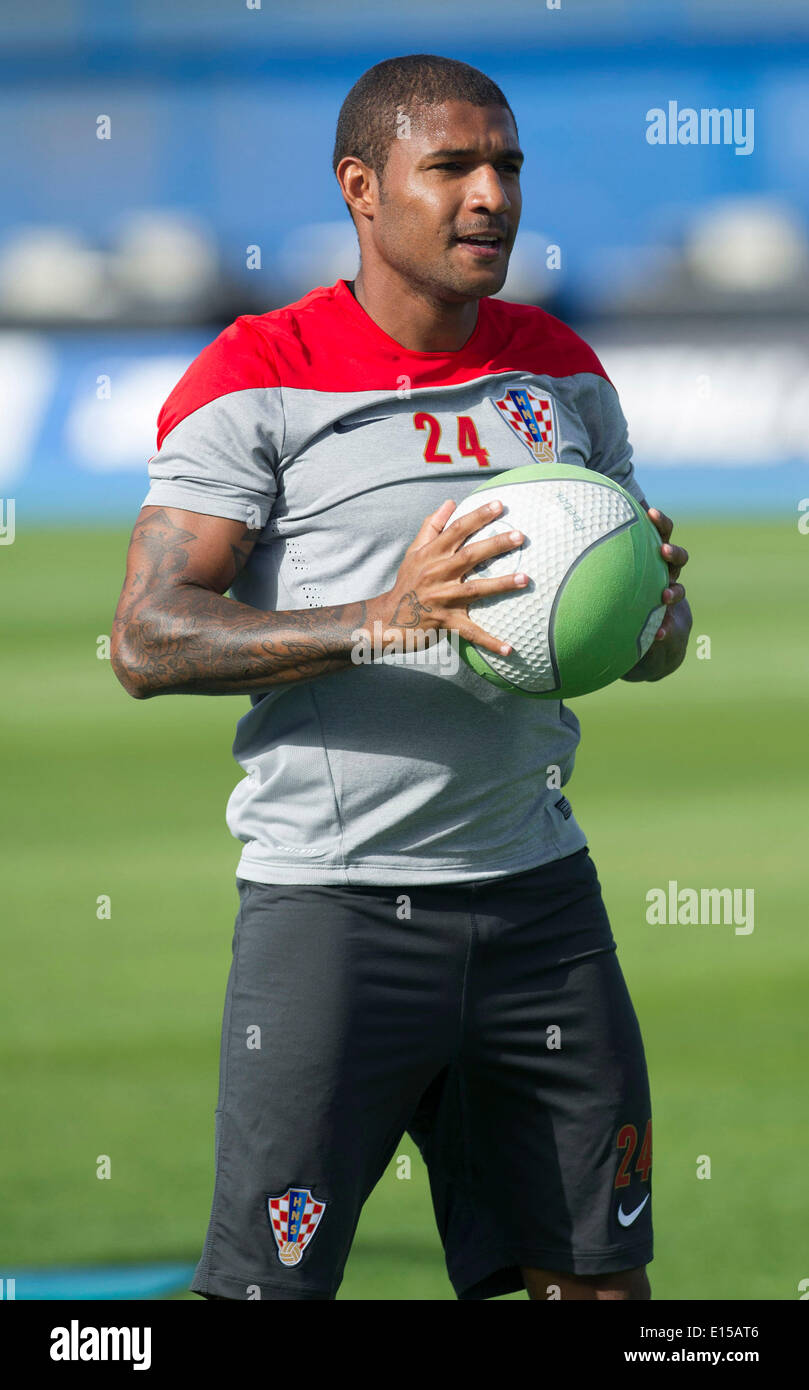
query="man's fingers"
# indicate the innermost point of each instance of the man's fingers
(665, 626)
(664, 629)
(480, 638)
(467, 590)
(676, 592)
(675, 557)
(466, 525)
(663, 523)
(433, 525)
(467, 556)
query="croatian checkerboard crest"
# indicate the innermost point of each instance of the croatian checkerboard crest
(531, 417)
(294, 1218)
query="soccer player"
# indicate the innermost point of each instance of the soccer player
(421, 944)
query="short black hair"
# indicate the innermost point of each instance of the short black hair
(367, 122)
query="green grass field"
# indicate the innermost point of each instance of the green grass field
(109, 1029)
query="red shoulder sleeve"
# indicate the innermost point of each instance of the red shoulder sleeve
(546, 345)
(238, 359)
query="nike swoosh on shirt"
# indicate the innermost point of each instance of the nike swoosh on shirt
(343, 426)
(626, 1218)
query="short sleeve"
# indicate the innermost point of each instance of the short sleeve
(221, 432)
(604, 421)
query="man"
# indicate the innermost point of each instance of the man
(421, 943)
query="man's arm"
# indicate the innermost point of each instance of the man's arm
(175, 634)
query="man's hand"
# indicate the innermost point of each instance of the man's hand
(175, 632)
(430, 592)
(671, 639)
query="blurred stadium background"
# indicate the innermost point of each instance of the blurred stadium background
(686, 268)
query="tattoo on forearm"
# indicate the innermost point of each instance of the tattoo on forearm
(206, 644)
(181, 637)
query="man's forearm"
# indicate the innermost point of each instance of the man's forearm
(189, 640)
(664, 657)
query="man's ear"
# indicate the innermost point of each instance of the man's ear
(358, 185)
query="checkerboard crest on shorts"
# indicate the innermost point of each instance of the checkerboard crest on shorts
(294, 1218)
(531, 418)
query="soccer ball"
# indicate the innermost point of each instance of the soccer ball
(596, 576)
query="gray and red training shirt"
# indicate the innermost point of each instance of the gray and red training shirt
(315, 426)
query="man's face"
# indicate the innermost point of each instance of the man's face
(455, 177)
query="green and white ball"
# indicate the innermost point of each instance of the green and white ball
(596, 576)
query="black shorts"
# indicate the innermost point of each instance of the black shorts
(490, 1020)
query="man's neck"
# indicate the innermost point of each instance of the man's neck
(420, 324)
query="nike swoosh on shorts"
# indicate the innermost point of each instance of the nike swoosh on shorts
(626, 1218)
